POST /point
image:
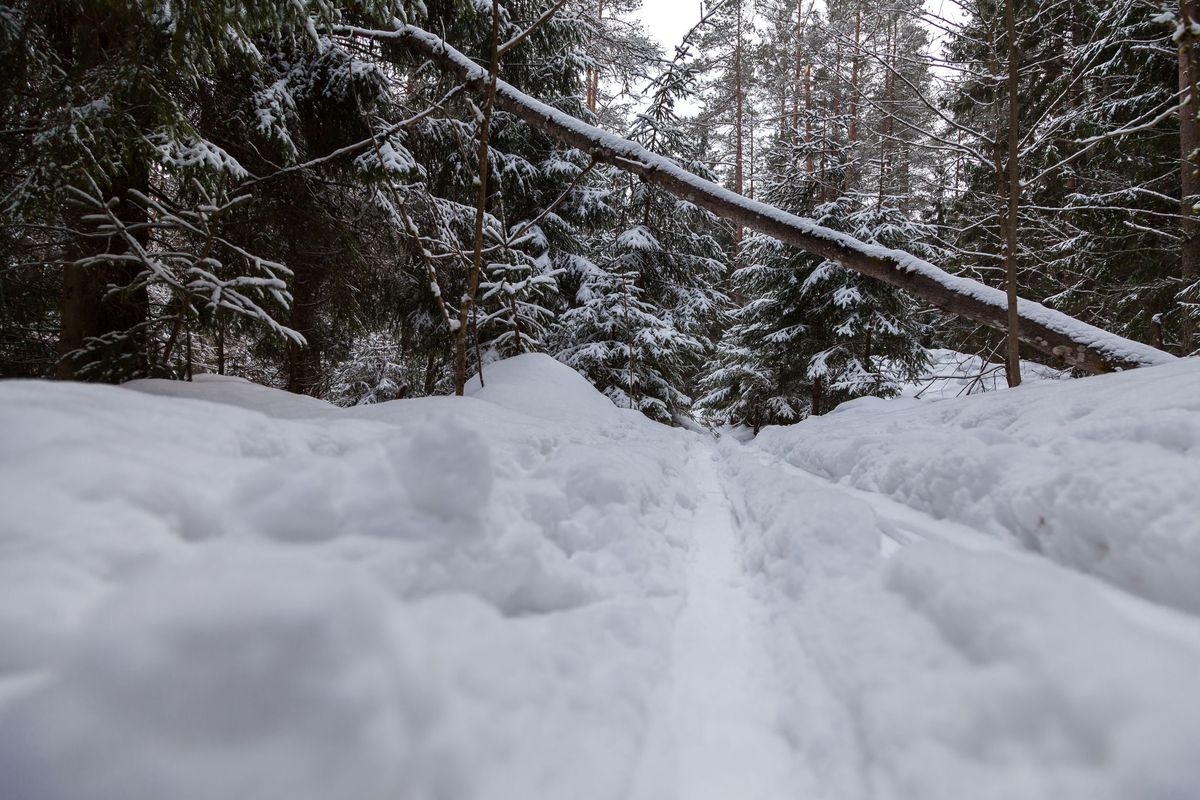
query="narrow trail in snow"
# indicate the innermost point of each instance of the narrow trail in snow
(716, 730)
(714, 736)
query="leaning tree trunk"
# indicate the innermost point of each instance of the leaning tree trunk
(1052, 332)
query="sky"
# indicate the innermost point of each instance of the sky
(669, 20)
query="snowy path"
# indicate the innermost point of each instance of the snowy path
(805, 664)
(714, 737)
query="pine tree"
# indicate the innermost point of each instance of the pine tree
(1099, 160)
(649, 301)
(114, 145)
(810, 333)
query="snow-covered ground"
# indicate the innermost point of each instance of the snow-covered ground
(216, 590)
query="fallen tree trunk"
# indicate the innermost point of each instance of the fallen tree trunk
(1049, 331)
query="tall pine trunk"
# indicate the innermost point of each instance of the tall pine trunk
(738, 114)
(798, 72)
(593, 74)
(1189, 140)
(304, 360)
(103, 333)
(1012, 342)
(485, 124)
(852, 127)
(104, 311)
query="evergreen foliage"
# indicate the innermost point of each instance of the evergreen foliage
(245, 188)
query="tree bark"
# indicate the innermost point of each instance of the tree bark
(1189, 140)
(593, 74)
(808, 153)
(100, 307)
(798, 72)
(304, 360)
(1012, 343)
(468, 301)
(1051, 332)
(738, 231)
(888, 89)
(852, 127)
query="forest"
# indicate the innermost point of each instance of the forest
(326, 197)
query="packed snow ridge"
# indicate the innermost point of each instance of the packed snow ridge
(215, 590)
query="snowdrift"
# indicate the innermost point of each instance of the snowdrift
(1099, 474)
(216, 590)
(956, 666)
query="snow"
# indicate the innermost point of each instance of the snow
(213, 590)
(951, 668)
(1096, 474)
(714, 733)
(216, 590)
(954, 374)
(195, 152)
(393, 158)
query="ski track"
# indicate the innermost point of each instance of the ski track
(714, 736)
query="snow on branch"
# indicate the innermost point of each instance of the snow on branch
(1049, 331)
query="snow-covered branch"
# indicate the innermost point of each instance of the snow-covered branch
(1052, 332)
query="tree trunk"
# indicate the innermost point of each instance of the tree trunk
(1189, 140)
(430, 373)
(739, 109)
(808, 120)
(889, 90)
(99, 309)
(220, 345)
(593, 74)
(1012, 343)
(798, 72)
(468, 302)
(304, 360)
(852, 129)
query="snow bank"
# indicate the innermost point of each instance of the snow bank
(529, 383)
(1099, 474)
(945, 672)
(216, 590)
